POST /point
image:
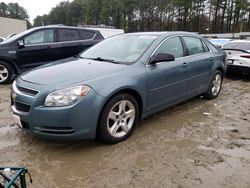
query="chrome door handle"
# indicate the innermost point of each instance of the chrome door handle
(185, 64)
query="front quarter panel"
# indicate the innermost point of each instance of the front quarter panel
(133, 78)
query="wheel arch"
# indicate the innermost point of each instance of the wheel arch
(16, 69)
(222, 71)
(130, 91)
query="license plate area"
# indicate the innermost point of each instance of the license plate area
(230, 61)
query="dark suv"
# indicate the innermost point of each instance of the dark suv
(41, 45)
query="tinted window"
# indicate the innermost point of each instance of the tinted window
(194, 45)
(85, 35)
(171, 46)
(206, 49)
(238, 46)
(68, 35)
(45, 36)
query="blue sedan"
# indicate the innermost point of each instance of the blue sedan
(107, 89)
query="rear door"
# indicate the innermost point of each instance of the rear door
(68, 43)
(38, 49)
(200, 60)
(168, 81)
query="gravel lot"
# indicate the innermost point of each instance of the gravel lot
(199, 143)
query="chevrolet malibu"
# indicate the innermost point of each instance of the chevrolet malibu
(107, 89)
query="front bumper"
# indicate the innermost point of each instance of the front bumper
(75, 122)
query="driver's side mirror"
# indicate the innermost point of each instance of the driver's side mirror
(162, 57)
(20, 44)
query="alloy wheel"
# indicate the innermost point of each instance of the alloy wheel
(3, 73)
(216, 84)
(121, 118)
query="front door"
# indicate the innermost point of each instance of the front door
(38, 49)
(168, 81)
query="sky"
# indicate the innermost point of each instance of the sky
(35, 7)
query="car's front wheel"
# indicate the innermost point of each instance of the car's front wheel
(118, 119)
(6, 72)
(214, 86)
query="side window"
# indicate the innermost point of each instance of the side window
(194, 45)
(85, 35)
(171, 46)
(45, 36)
(206, 49)
(68, 35)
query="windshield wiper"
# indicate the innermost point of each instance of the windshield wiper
(103, 59)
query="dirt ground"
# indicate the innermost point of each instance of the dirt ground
(196, 144)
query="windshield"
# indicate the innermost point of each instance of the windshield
(122, 48)
(238, 46)
(15, 37)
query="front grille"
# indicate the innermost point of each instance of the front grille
(27, 91)
(56, 130)
(22, 107)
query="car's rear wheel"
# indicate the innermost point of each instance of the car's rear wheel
(6, 72)
(118, 119)
(215, 86)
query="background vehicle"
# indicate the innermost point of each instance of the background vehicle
(107, 32)
(218, 42)
(112, 85)
(10, 35)
(238, 56)
(41, 45)
(2, 39)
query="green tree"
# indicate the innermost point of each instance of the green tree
(17, 12)
(3, 9)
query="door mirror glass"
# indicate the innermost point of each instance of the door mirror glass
(20, 43)
(162, 57)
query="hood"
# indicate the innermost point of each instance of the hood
(71, 70)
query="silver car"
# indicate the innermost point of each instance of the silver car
(238, 56)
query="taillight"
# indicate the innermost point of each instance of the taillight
(245, 56)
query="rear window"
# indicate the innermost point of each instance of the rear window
(68, 35)
(86, 35)
(238, 46)
(194, 45)
(206, 49)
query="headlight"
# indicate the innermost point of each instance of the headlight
(68, 96)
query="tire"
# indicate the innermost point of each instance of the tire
(215, 86)
(6, 72)
(118, 119)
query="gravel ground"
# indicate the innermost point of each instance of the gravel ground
(199, 143)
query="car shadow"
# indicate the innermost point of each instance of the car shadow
(237, 76)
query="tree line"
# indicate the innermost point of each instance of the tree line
(203, 16)
(14, 10)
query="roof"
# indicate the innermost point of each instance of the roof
(165, 33)
(61, 27)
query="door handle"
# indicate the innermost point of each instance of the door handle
(185, 64)
(211, 58)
